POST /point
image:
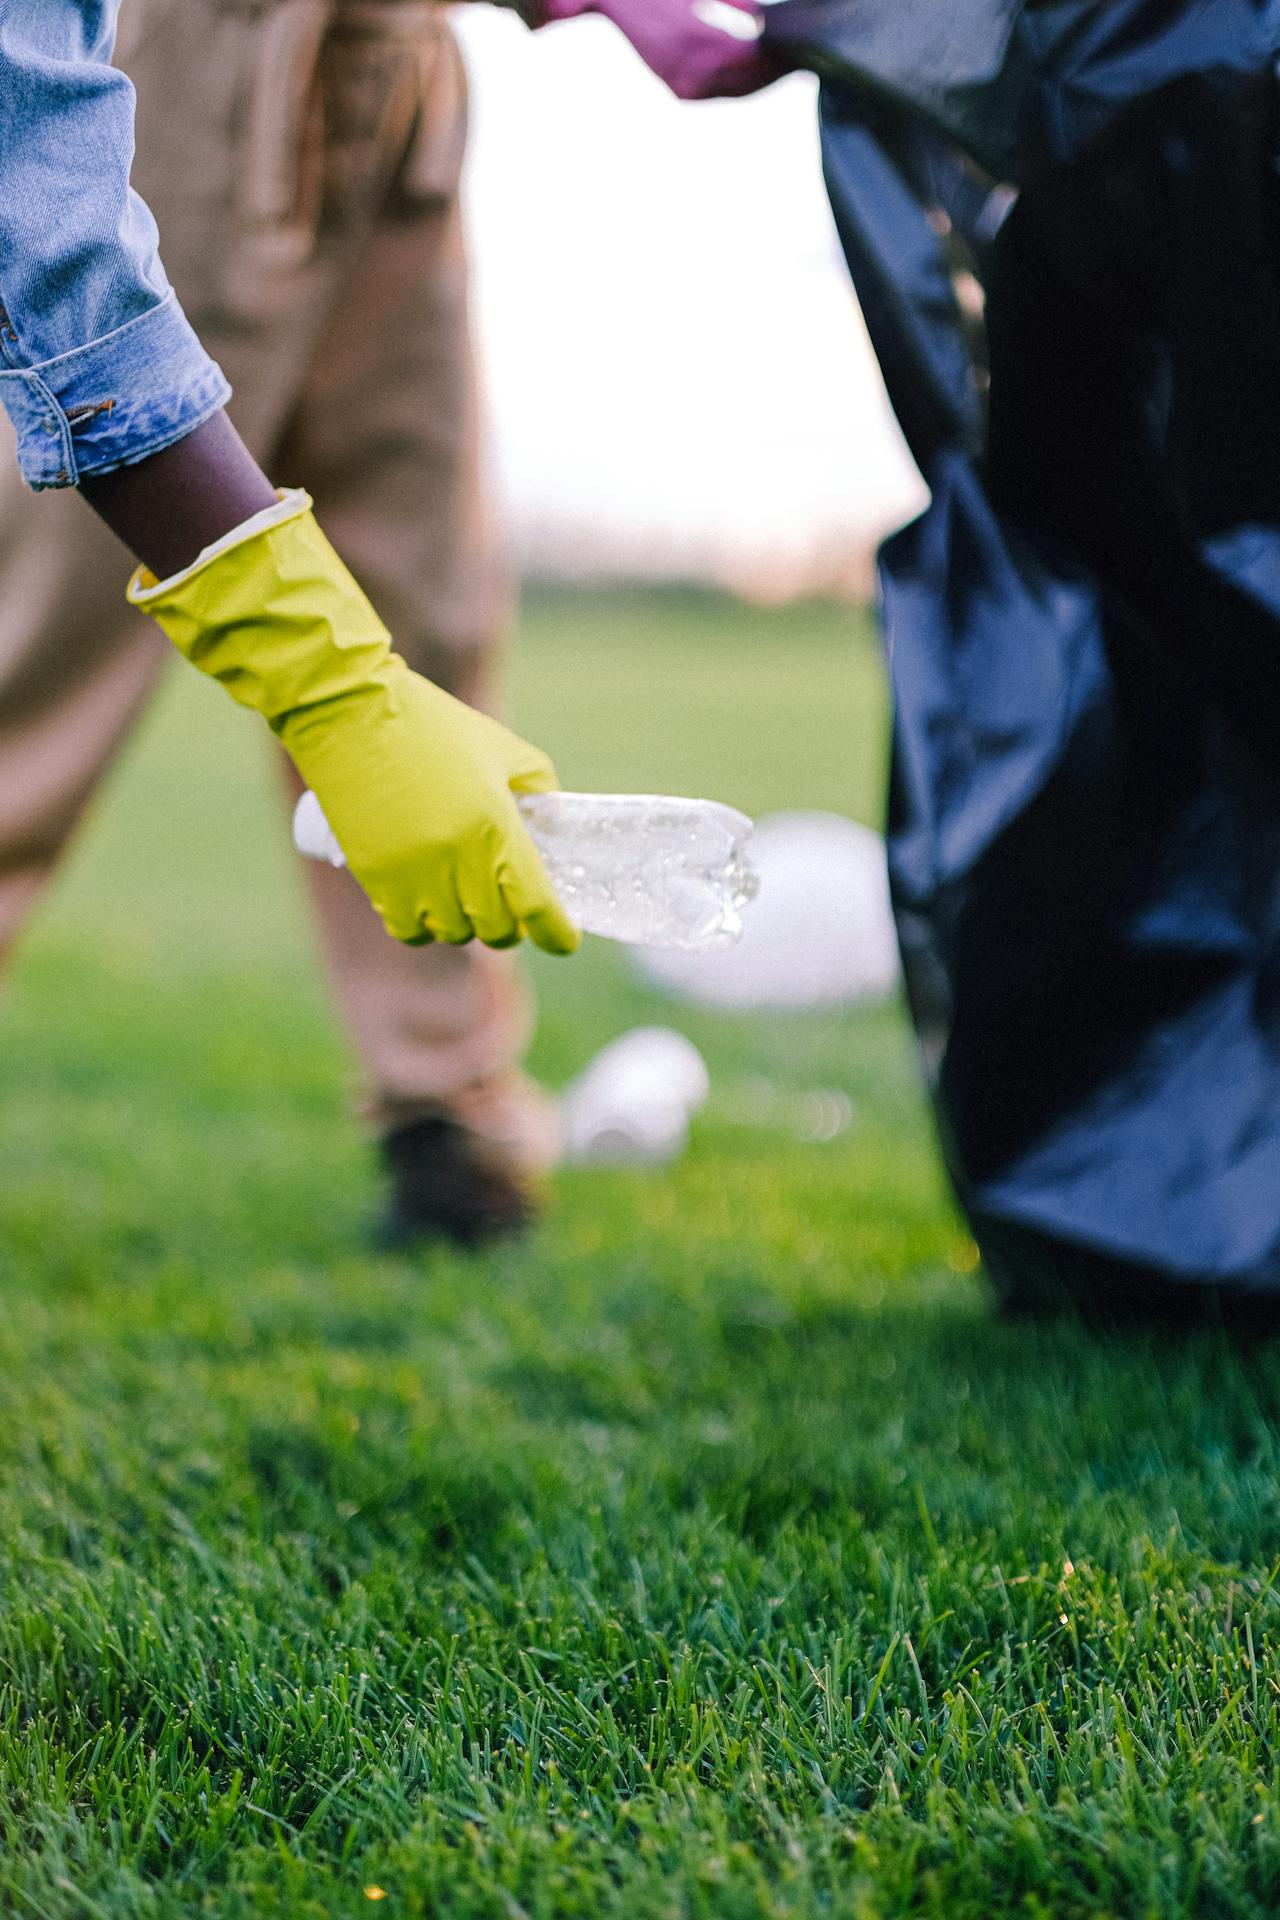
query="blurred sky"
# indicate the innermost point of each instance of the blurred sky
(679, 376)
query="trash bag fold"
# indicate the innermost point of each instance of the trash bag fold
(1063, 223)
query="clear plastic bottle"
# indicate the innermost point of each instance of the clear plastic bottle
(650, 870)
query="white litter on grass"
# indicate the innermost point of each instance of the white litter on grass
(819, 933)
(634, 1103)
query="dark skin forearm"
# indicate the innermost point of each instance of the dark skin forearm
(169, 507)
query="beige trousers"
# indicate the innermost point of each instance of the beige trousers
(302, 160)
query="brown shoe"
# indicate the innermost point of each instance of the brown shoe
(448, 1183)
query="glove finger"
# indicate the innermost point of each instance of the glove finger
(449, 923)
(441, 918)
(532, 772)
(409, 932)
(488, 912)
(551, 929)
(532, 899)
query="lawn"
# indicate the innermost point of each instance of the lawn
(716, 1554)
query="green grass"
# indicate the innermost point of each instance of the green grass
(715, 1555)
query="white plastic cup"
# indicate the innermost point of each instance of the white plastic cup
(633, 1105)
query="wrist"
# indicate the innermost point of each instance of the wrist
(145, 590)
(170, 506)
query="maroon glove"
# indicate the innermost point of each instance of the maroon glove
(703, 49)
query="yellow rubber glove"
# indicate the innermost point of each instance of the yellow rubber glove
(418, 788)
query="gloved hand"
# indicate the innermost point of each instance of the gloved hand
(418, 788)
(703, 49)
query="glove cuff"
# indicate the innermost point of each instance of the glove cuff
(144, 589)
(273, 614)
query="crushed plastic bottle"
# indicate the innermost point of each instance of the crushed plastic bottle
(649, 870)
(646, 869)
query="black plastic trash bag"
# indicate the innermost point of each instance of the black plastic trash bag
(1063, 222)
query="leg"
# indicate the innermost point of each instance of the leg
(76, 664)
(387, 437)
(76, 667)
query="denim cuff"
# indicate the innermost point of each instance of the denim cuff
(107, 405)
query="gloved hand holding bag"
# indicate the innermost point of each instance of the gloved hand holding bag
(703, 49)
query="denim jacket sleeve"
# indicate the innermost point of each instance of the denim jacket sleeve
(99, 366)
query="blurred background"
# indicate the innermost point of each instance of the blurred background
(749, 444)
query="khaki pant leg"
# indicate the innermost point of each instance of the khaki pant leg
(76, 666)
(229, 158)
(387, 436)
